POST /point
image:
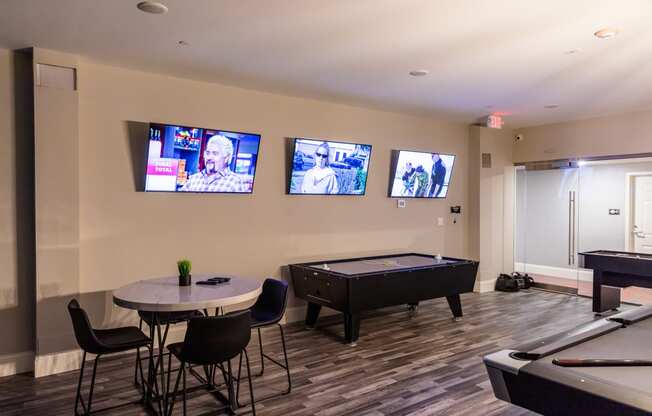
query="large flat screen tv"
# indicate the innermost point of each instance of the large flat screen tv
(193, 159)
(420, 174)
(323, 167)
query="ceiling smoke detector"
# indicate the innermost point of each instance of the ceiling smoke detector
(152, 7)
(606, 33)
(419, 72)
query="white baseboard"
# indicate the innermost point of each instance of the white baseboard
(585, 275)
(484, 286)
(21, 362)
(58, 362)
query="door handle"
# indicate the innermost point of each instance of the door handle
(571, 228)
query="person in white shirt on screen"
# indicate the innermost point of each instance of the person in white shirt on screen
(216, 175)
(320, 179)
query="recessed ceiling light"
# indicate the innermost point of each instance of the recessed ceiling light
(183, 43)
(606, 33)
(572, 52)
(551, 106)
(419, 72)
(153, 7)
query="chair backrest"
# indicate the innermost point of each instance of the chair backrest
(272, 300)
(215, 339)
(84, 332)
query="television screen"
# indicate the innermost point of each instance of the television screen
(421, 175)
(322, 167)
(191, 159)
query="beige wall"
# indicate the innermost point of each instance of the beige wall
(128, 235)
(57, 206)
(97, 231)
(473, 214)
(611, 135)
(16, 213)
(494, 217)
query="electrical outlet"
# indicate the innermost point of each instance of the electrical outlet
(440, 221)
(401, 203)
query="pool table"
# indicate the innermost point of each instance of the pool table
(355, 285)
(526, 376)
(615, 269)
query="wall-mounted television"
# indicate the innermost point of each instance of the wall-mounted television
(324, 167)
(194, 159)
(420, 174)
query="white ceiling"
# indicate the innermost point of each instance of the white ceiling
(508, 54)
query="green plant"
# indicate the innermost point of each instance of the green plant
(184, 266)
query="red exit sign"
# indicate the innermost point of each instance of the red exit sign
(495, 121)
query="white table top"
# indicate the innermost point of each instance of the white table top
(165, 295)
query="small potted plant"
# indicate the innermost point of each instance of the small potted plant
(184, 267)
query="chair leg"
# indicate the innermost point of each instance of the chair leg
(160, 362)
(136, 366)
(173, 397)
(184, 392)
(232, 400)
(169, 372)
(287, 364)
(140, 326)
(152, 382)
(90, 395)
(262, 356)
(161, 343)
(81, 376)
(139, 369)
(251, 386)
(237, 390)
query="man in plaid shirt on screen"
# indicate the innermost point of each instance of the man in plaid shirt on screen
(216, 175)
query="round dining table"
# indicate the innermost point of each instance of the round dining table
(164, 294)
(160, 295)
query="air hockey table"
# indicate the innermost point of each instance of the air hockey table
(355, 285)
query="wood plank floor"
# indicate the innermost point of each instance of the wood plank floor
(421, 365)
(631, 294)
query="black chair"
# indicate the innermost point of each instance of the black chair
(162, 318)
(267, 311)
(102, 342)
(210, 342)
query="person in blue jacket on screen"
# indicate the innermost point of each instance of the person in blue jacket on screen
(216, 175)
(437, 176)
(320, 179)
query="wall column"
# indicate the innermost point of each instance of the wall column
(56, 109)
(494, 221)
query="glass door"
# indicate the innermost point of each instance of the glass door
(546, 224)
(615, 207)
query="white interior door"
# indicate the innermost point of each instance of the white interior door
(642, 225)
